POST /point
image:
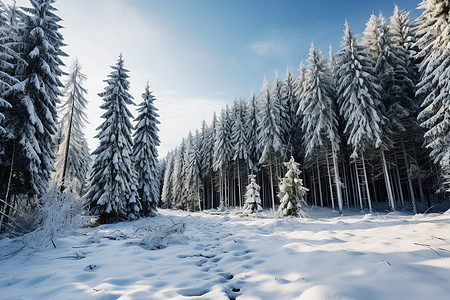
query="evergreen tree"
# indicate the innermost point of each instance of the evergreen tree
(359, 100)
(252, 198)
(320, 123)
(167, 189)
(192, 181)
(32, 119)
(371, 36)
(145, 154)
(239, 141)
(289, 101)
(292, 192)
(72, 154)
(178, 175)
(282, 108)
(434, 85)
(113, 193)
(359, 94)
(269, 133)
(252, 132)
(222, 154)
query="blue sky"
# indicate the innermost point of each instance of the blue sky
(200, 54)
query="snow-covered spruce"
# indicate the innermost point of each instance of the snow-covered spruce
(292, 192)
(434, 85)
(251, 125)
(320, 124)
(192, 184)
(34, 99)
(269, 132)
(113, 192)
(240, 144)
(72, 153)
(223, 154)
(252, 197)
(145, 154)
(359, 94)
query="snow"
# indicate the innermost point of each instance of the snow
(225, 256)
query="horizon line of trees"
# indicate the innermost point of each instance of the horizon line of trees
(370, 124)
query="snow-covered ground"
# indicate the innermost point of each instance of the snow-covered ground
(357, 256)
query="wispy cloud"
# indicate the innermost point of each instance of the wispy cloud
(278, 42)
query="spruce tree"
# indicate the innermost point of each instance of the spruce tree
(72, 154)
(167, 189)
(320, 123)
(252, 198)
(192, 186)
(290, 102)
(113, 192)
(434, 85)
(178, 175)
(269, 133)
(359, 104)
(145, 154)
(292, 192)
(251, 124)
(32, 119)
(222, 154)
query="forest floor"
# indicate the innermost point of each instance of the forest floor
(180, 255)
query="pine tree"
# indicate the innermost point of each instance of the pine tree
(252, 198)
(192, 181)
(252, 133)
(145, 154)
(282, 117)
(289, 101)
(292, 192)
(434, 85)
(222, 154)
(32, 119)
(113, 192)
(411, 142)
(167, 190)
(360, 105)
(239, 140)
(178, 175)
(269, 133)
(371, 35)
(320, 123)
(358, 92)
(72, 154)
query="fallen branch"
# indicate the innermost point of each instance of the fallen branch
(439, 238)
(76, 256)
(429, 247)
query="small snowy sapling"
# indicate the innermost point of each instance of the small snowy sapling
(292, 191)
(252, 198)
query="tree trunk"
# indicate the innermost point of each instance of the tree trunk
(399, 183)
(318, 179)
(239, 186)
(388, 182)
(66, 151)
(330, 183)
(337, 179)
(272, 192)
(9, 185)
(369, 201)
(359, 188)
(314, 187)
(408, 174)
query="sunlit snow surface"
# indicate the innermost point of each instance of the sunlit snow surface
(358, 256)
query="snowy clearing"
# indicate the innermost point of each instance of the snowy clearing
(358, 256)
